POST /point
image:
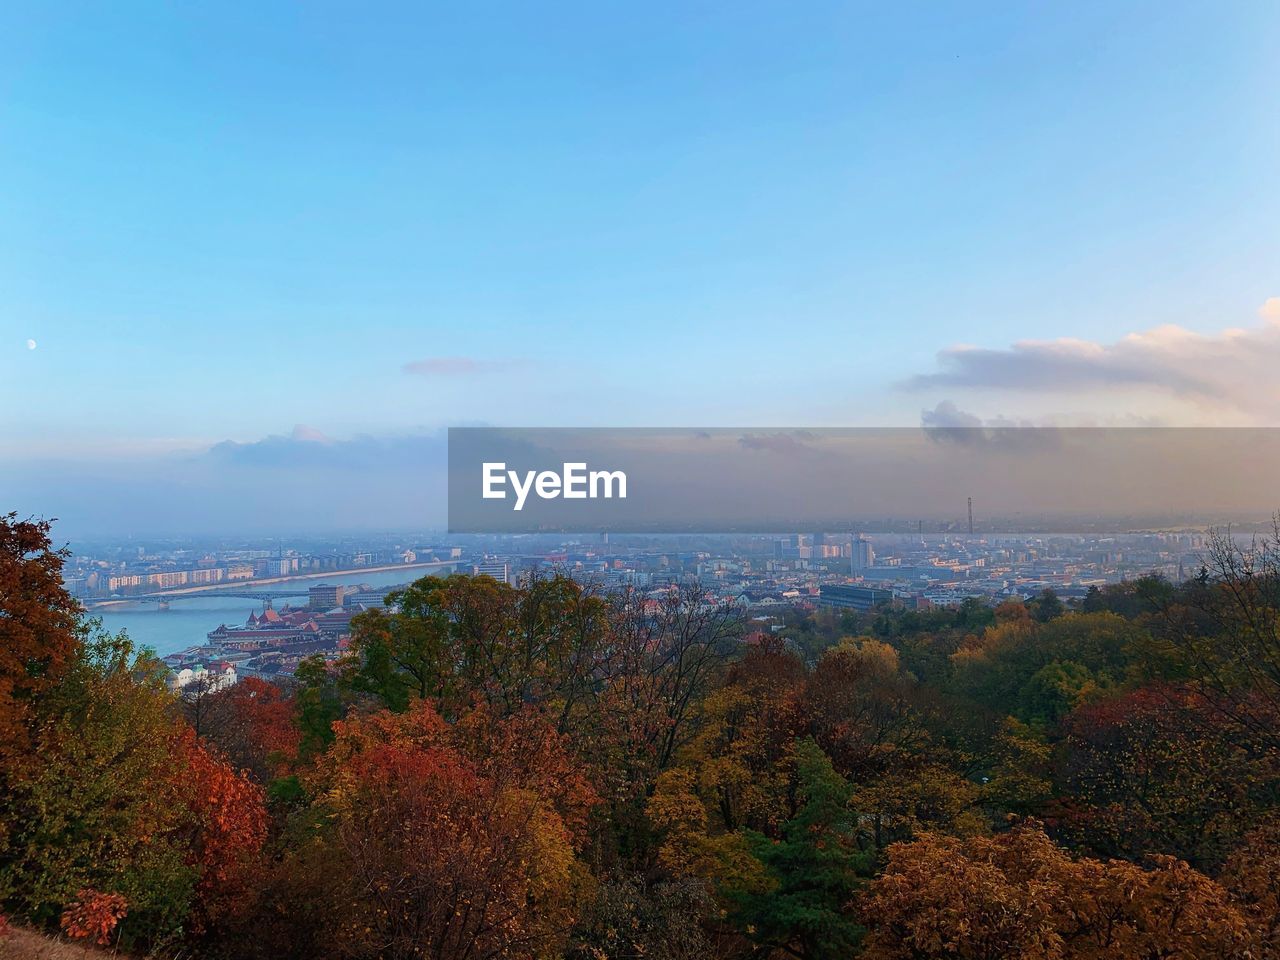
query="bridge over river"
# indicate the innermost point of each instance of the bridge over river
(266, 596)
(252, 590)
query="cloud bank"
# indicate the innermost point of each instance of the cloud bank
(304, 481)
(1236, 369)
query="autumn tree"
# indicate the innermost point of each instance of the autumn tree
(221, 825)
(1158, 771)
(1047, 605)
(124, 802)
(1019, 778)
(924, 639)
(1252, 876)
(860, 705)
(735, 774)
(1017, 896)
(1040, 672)
(320, 701)
(251, 724)
(745, 738)
(667, 654)
(458, 841)
(39, 625)
(404, 653)
(547, 643)
(1222, 631)
(638, 920)
(874, 720)
(85, 815)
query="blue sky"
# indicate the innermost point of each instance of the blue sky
(222, 221)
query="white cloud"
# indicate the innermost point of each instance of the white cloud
(306, 434)
(1234, 372)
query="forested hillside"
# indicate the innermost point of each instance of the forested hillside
(543, 771)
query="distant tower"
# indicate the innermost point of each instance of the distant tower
(861, 555)
(971, 516)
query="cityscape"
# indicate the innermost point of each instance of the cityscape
(298, 598)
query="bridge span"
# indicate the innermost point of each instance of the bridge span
(267, 596)
(243, 592)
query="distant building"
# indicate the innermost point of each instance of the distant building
(336, 623)
(168, 579)
(126, 581)
(490, 567)
(324, 596)
(796, 547)
(271, 629)
(217, 676)
(861, 555)
(275, 566)
(369, 598)
(239, 571)
(853, 597)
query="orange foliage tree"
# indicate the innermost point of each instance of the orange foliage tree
(457, 840)
(39, 624)
(251, 724)
(1252, 875)
(223, 828)
(94, 915)
(1017, 896)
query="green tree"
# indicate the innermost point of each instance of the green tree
(403, 654)
(1040, 671)
(1056, 689)
(1047, 606)
(319, 704)
(816, 865)
(88, 814)
(454, 639)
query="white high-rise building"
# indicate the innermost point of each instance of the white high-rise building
(500, 570)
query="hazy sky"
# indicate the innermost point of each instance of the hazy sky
(316, 222)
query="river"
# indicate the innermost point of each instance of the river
(188, 619)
